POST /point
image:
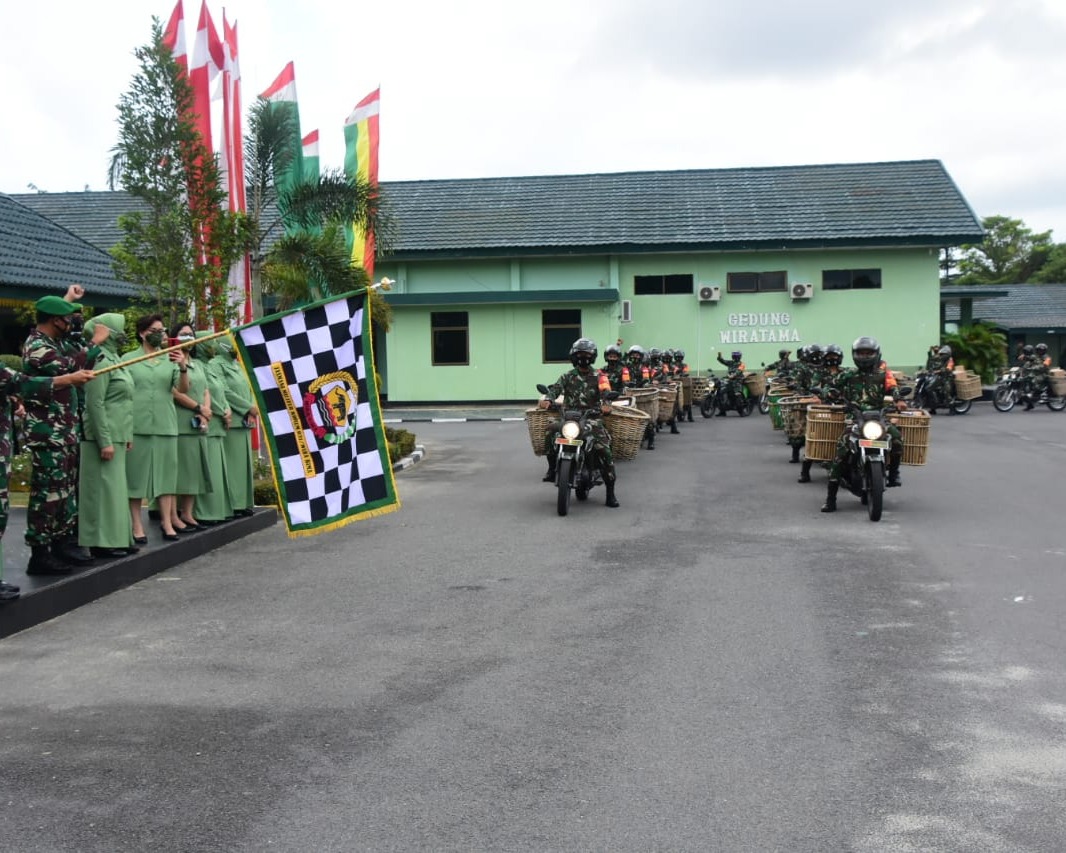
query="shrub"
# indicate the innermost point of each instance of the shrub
(19, 475)
(13, 362)
(401, 443)
(982, 349)
(264, 493)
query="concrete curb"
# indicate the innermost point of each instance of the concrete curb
(408, 461)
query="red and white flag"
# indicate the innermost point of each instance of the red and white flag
(174, 37)
(231, 162)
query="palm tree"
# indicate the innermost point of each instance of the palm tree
(299, 249)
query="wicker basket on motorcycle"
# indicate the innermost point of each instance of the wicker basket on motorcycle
(967, 386)
(668, 396)
(756, 384)
(538, 422)
(686, 390)
(794, 415)
(647, 400)
(825, 425)
(626, 427)
(1057, 382)
(914, 430)
(774, 397)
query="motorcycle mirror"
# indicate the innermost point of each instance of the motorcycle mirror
(611, 395)
(543, 389)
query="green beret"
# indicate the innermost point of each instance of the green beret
(54, 305)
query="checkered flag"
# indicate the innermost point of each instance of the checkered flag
(312, 371)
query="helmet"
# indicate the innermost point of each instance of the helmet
(668, 355)
(784, 353)
(871, 350)
(736, 355)
(833, 356)
(679, 355)
(1027, 349)
(583, 352)
(655, 354)
(1041, 349)
(635, 354)
(613, 349)
(944, 351)
(814, 354)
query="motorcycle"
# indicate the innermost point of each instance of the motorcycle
(707, 401)
(930, 393)
(868, 445)
(733, 395)
(1013, 388)
(574, 472)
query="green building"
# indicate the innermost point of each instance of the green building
(495, 277)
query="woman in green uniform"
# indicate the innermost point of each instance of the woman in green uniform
(240, 472)
(104, 523)
(152, 462)
(194, 414)
(213, 506)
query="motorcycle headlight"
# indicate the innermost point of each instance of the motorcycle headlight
(571, 430)
(872, 430)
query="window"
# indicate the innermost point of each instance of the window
(450, 337)
(561, 327)
(851, 279)
(755, 282)
(656, 285)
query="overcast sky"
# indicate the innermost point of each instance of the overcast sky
(471, 88)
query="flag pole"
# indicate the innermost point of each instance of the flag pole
(158, 353)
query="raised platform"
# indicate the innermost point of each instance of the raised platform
(45, 597)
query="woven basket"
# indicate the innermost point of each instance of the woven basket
(647, 400)
(700, 384)
(626, 427)
(794, 414)
(686, 390)
(538, 422)
(774, 398)
(967, 386)
(1057, 382)
(756, 384)
(914, 430)
(667, 402)
(825, 425)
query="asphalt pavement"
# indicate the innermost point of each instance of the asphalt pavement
(713, 666)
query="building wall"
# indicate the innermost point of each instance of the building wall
(505, 346)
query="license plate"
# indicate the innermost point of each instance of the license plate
(876, 445)
(574, 442)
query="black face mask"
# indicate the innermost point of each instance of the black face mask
(154, 339)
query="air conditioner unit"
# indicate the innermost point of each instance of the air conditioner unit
(627, 311)
(802, 291)
(709, 293)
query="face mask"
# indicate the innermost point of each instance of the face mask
(119, 338)
(154, 339)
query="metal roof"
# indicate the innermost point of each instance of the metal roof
(1026, 306)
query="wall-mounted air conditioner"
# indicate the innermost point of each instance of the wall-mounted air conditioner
(801, 291)
(709, 293)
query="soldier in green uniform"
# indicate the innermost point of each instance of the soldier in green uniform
(104, 524)
(818, 378)
(213, 506)
(52, 430)
(866, 385)
(583, 388)
(617, 371)
(640, 377)
(40, 388)
(238, 440)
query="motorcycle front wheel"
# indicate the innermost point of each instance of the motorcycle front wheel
(707, 405)
(745, 406)
(1004, 399)
(764, 404)
(875, 490)
(563, 503)
(961, 407)
(1056, 404)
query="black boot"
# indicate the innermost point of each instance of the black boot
(893, 474)
(688, 413)
(650, 435)
(550, 476)
(43, 563)
(795, 453)
(830, 504)
(69, 551)
(805, 472)
(673, 427)
(611, 501)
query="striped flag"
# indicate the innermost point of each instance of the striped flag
(174, 37)
(361, 161)
(310, 166)
(231, 162)
(282, 96)
(312, 371)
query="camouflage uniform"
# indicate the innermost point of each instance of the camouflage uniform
(13, 383)
(734, 381)
(580, 392)
(617, 374)
(52, 432)
(868, 391)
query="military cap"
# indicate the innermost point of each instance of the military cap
(56, 306)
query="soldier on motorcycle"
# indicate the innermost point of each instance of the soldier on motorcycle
(784, 365)
(832, 358)
(640, 377)
(582, 388)
(734, 389)
(943, 366)
(866, 385)
(1036, 368)
(617, 371)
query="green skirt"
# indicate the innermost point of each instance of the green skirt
(194, 475)
(152, 466)
(214, 505)
(239, 468)
(103, 499)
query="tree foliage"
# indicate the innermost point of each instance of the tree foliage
(1011, 253)
(1054, 271)
(179, 248)
(980, 347)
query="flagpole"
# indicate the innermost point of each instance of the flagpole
(158, 353)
